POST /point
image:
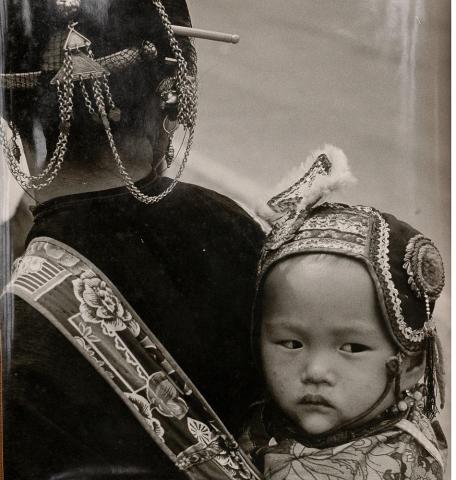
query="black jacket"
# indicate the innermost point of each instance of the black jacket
(187, 266)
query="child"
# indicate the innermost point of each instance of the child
(343, 327)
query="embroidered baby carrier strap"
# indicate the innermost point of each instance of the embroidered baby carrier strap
(81, 302)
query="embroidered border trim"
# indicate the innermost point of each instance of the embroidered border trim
(390, 292)
(378, 257)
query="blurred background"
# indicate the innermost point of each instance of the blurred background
(369, 76)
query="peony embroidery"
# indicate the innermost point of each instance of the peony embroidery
(98, 304)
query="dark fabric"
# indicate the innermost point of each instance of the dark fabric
(414, 308)
(187, 266)
(110, 28)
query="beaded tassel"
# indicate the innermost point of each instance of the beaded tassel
(434, 371)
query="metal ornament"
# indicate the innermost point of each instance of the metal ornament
(413, 398)
(167, 92)
(169, 130)
(80, 67)
(84, 66)
(14, 146)
(65, 87)
(424, 266)
(169, 157)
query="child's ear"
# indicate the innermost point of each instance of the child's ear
(413, 370)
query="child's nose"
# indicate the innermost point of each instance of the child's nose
(317, 368)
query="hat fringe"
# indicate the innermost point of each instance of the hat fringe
(440, 370)
(434, 376)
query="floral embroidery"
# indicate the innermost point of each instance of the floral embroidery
(98, 304)
(83, 304)
(163, 396)
(198, 453)
(199, 430)
(86, 340)
(209, 446)
(144, 408)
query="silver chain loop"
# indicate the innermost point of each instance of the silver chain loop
(87, 101)
(108, 95)
(186, 88)
(65, 100)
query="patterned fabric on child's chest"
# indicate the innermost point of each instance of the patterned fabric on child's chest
(398, 454)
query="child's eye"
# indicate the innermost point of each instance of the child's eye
(354, 347)
(291, 344)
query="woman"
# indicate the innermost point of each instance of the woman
(95, 126)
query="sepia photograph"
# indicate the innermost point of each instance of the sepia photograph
(225, 239)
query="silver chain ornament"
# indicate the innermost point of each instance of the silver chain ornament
(65, 100)
(186, 116)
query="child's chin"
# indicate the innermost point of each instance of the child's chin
(316, 425)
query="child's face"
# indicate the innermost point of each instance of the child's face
(323, 342)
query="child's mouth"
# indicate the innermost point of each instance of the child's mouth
(315, 400)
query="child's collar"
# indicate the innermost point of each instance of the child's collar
(279, 427)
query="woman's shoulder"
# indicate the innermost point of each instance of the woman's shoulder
(214, 201)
